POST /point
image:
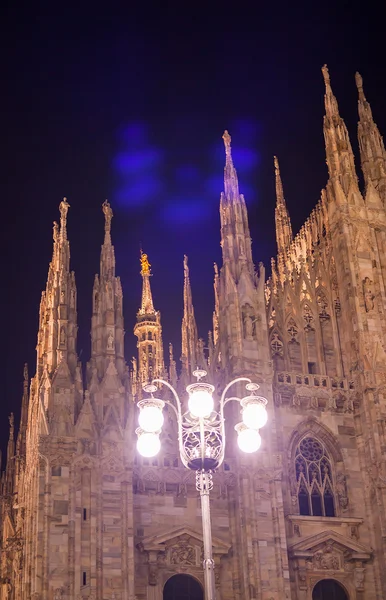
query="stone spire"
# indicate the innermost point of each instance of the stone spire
(107, 320)
(58, 319)
(148, 331)
(10, 469)
(189, 327)
(21, 437)
(372, 149)
(235, 236)
(282, 218)
(339, 154)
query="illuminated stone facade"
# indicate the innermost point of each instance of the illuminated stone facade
(83, 516)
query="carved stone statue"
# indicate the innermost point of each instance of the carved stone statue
(368, 294)
(110, 341)
(341, 488)
(62, 336)
(248, 322)
(55, 234)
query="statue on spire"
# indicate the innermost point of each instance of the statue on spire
(55, 233)
(63, 207)
(326, 76)
(359, 82)
(108, 215)
(145, 265)
(227, 142)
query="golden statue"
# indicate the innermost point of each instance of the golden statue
(145, 265)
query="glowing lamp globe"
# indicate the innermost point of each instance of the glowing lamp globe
(200, 403)
(248, 440)
(254, 415)
(151, 418)
(148, 444)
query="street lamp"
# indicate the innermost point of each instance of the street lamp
(201, 438)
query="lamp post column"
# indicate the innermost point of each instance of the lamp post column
(204, 485)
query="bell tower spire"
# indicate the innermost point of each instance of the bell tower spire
(339, 154)
(148, 331)
(235, 236)
(282, 218)
(107, 320)
(58, 319)
(371, 146)
(189, 327)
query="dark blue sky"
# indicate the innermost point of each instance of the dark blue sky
(131, 106)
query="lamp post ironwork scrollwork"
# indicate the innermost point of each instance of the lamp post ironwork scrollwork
(201, 439)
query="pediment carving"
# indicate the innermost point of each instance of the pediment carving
(329, 548)
(181, 537)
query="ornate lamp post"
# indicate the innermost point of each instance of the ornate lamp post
(201, 437)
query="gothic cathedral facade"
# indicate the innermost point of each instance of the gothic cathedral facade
(83, 516)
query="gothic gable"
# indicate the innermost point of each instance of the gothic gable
(111, 379)
(246, 289)
(86, 423)
(62, 376)
(372, 197)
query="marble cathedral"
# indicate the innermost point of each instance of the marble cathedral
(83, 516)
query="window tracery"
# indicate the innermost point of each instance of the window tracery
(322, 306)
(292, 330)
(314, 479)
(276, 345)
(308, 318)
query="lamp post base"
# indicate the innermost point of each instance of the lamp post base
(204, 484)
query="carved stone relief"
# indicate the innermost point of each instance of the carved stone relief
(182, 553)
(327, 559)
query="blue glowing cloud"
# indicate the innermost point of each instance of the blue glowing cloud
(185, 211)
(137, 168)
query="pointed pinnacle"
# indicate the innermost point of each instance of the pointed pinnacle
(186, 268)
(279, 184)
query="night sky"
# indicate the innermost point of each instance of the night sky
(131, 106)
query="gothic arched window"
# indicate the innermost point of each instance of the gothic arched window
(314, 479)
